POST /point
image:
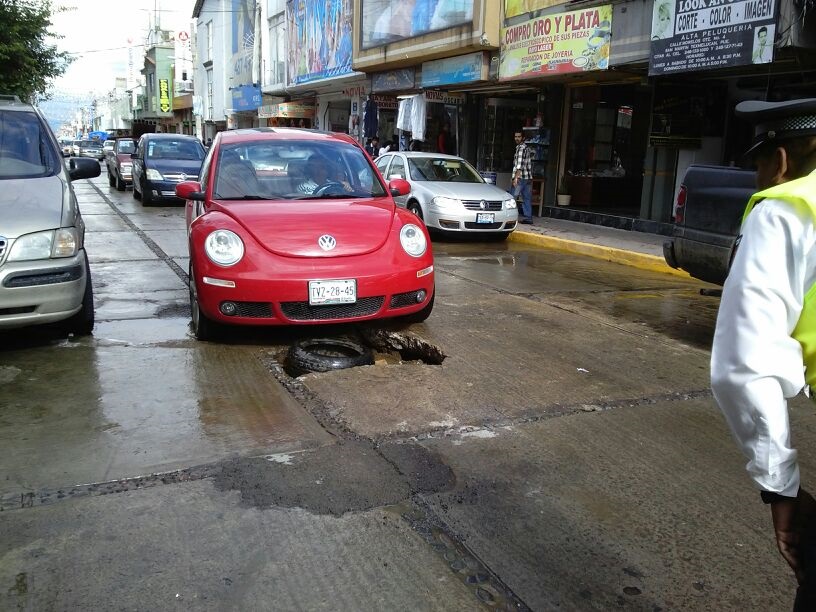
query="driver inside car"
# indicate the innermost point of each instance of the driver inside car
(320, 174)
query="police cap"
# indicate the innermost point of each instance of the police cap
(779, 121)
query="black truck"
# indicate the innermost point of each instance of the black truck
(707, 217)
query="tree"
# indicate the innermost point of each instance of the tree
(27, 62)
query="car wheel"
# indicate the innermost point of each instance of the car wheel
(147, 199)
(136, 194)
(415, 208)
(82, 323)
(110, 177)
(120, 183)
(325, 355)
(420, 315)
(203, 327)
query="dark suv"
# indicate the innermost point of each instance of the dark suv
(44, 271)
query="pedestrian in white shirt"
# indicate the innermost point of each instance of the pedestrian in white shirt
(766, 325)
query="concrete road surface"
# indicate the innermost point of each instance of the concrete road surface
(566, 453)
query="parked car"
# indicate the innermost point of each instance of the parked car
(320, 242)
(707, 218)
(44, 271)
(75, 147)
(91, 148)
(107, 146)
(162, 161)
(119, 162)
(67, 147)
(449, 195)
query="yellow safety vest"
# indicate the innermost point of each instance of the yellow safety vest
(799, 192)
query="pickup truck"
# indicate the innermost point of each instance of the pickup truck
(707, 218)
(119, 163)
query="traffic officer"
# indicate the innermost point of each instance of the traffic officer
(766, 325)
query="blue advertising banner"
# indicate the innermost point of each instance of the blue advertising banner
(386, 21)
(393, 80)
(243, 41)
(319, 39)
(246, 97)
(451, 70)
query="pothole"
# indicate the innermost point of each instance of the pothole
(370, 346)
(408, 346)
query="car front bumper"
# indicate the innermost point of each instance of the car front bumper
(39, 292)
(504, 220)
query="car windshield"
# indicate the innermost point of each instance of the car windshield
(442, 169)
(25, 150)
(127, 146)
(168, 148)
(294, 169)
(89, 143)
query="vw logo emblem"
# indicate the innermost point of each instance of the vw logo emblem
(183, 177)
(483, 205)
(326, 242)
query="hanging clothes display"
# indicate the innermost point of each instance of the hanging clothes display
(418, 117)
(404, 115)
(371, 119)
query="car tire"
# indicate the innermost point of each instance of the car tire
(147, 199)
(82, 323)
(325, 355)
(415, 208)
(420, 315)
(136, 194)
(110, 177)
(203, 327)
(120, 183)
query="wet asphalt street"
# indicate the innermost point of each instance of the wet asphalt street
(566, 454)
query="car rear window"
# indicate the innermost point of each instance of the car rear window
(26, 150)
(127, 146)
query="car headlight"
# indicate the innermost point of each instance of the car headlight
(413, 240)
(153, 175)
(224, 247)
(443, 202)
(510, 203)
(45, 245)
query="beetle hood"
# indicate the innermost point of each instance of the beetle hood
(315, 228)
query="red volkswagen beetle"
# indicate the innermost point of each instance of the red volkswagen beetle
(292, 227)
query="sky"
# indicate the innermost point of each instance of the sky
(97, 34)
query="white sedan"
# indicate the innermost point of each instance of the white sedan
(448, 194)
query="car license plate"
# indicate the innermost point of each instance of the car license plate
(332, 292)
(484, 217)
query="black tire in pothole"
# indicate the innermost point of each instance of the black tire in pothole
(325, 355)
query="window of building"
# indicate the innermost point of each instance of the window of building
(276, 68)
(209, 27)
(209, 94)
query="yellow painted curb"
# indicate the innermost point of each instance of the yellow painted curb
(621, 256)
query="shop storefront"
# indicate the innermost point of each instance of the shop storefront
(288, 114)
(606, 136)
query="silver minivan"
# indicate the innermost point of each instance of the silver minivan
(44, 272)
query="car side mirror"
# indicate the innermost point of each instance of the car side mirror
(190, 190)
(399, 187)
(82, 168)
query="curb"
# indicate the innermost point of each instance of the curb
(643, 261)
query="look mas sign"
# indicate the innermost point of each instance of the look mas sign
(561, 43)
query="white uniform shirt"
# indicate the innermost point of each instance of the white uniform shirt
(755, 363)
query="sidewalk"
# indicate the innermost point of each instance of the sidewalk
(638, 249)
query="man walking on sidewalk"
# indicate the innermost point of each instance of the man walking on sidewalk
(766, 325)
(523, 177)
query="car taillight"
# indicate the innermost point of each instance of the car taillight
(680, 205)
